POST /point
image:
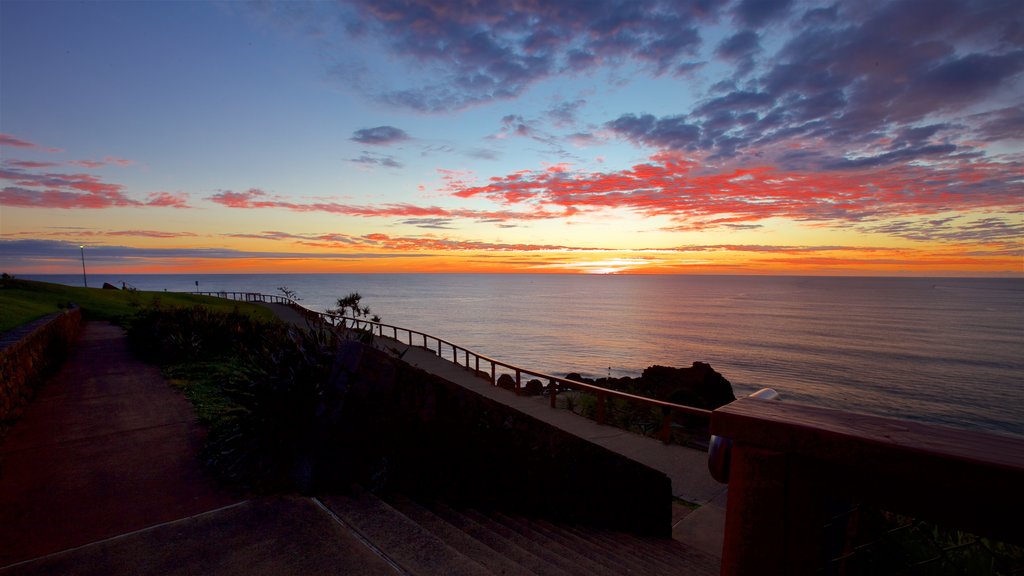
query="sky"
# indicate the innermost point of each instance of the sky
(874, 137)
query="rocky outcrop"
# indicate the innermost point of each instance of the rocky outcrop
(699, 385)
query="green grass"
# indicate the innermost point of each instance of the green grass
(203, 383)
(22, 301)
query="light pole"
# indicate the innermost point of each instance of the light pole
(84, 281)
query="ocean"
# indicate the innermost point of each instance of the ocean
(940, 350)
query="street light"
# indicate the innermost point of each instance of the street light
(84, 281)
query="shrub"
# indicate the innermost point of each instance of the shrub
(271, 393)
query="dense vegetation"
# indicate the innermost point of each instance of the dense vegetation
(271, 394)
(23, 301)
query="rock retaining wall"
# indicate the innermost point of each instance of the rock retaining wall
(28, 355)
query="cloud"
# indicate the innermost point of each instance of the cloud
(31, 165)
(848, 81)
(435, 223)
(84, 233)
(149, 234)
(564, 114)
(108, 161)
(167, 200)
(380, 136)
(672, 132)
(70, 191)
(14, 142)
(464, 53)
(26, 253)
(757, 13)
(255, 198)
(372, 159)
(694, 197)
(960, 229)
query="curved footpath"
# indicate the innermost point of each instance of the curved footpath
(703, 528)
(100, 476)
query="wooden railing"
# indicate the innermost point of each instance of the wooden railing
(473, 361)
(790, 463)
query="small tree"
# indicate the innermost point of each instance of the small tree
(289, 293)
(351, 306)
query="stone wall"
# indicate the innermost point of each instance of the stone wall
(28, 355)
(411, 431)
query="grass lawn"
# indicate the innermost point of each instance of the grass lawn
(22, 301)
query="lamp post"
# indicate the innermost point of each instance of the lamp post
(84, 281)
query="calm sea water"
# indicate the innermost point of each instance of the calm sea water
(942, 350)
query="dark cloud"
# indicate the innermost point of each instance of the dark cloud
(1003, 124)
(380, 136)
(993, 230)
(431, 223)
(757, 13)
(371, 159)
(673, 132)
(473, 52)
(863, 80)
(21, 253)
(739, 45)
(564, 114)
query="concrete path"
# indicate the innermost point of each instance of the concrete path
(687, 468)
(100, 476)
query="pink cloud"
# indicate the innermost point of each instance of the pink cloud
(256, 198)
(9, 140)
(150, 234)
(108, 161)
(677, 187)
(168, 200)
(67, 191)
(29, 165)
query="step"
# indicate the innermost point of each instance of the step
(601, 552)
(577, 552)
(401, 540)
(566, 560)
(664, 551)
(496, 542)
(456, 538)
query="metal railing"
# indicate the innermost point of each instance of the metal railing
(472, 361)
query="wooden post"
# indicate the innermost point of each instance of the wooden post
(599, 409)
(519, 380)
(553, 393)
(665, 435)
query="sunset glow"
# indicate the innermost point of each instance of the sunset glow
(748, 137)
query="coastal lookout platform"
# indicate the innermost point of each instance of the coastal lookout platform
(804, 482)
(96, 478)
(701, 526)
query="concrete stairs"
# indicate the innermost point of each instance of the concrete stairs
(434, 538)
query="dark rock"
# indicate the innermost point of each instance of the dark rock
(109, 286)
(533, 388)
(507, 382)
(699, 385)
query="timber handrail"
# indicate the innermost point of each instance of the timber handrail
(441, 345)
(790, 460)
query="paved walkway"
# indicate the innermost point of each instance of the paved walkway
(100, 476)
(687, 468)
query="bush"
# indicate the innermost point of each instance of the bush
(271, 393)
